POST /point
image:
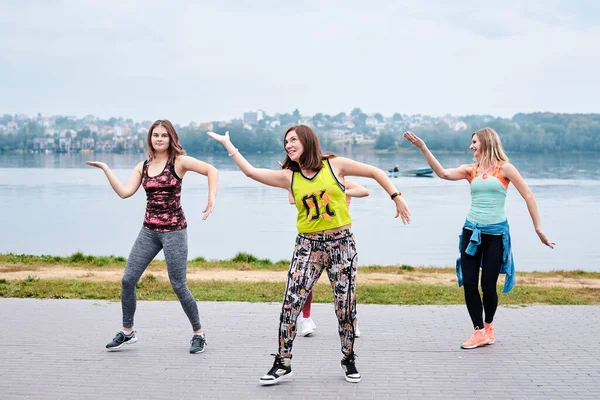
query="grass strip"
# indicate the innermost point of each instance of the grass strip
(241, 262)
(152, 288)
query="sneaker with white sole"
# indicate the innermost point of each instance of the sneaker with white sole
(281, 370)
(198, 343)
(477, 339)
(306, 326)
(120, 339)
(349, 367)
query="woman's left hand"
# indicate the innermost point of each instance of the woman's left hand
(402, 210)
(210, 206)
(544, 239)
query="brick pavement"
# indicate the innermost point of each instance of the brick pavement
(54, 349)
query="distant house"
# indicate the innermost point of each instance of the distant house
(67, 133)
(87, 143)
(206, 126)
(459, 126)
(92, 127)
(106, 130)
(118, 131)
(42, 144)
(12, 126)
(252, 117)
(64, 144)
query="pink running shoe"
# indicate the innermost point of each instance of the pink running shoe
(477, 339)
(490, 331)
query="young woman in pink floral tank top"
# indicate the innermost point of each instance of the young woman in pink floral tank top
(164, 226)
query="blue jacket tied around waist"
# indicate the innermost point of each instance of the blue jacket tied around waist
(508, 264)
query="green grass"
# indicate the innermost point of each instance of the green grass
(74, 259)
(152, 288)
(241, 261)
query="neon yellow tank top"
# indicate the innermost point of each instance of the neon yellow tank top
(321, 201)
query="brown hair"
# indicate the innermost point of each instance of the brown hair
(312, 157)
(175, 148)
(491, 147)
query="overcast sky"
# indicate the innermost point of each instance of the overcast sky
(211, 60)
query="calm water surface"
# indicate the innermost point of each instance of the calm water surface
(54, 204)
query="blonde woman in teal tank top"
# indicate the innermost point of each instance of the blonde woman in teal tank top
(324, 241)
(485, 240)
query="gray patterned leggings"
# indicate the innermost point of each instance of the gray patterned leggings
(146, 247)
(313, 253)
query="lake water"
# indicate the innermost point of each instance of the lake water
(55, 204)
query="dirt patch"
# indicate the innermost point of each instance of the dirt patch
(114, 275)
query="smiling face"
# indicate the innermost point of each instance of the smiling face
(475, 147)
(160, 139)
(293, 146)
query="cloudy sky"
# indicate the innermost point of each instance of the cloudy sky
(209, 60)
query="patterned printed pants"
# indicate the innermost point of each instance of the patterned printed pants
(314, 253)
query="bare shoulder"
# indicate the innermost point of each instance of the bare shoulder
(336, 160)
(139, 167)
(183, 158)
(339, 164)
(184, 161)
(467, 169)
(507, 168)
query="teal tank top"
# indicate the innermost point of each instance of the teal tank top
(488, 197)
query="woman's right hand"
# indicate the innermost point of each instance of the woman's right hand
(97, 164)
(414, 139)
(223, 139)
(402, 210)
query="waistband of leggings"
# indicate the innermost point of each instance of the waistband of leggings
(326, 237)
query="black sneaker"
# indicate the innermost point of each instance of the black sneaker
(281, 370)
(349, 368)
(120, 339)
(198, 343)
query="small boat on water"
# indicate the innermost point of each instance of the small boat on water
(420, 171)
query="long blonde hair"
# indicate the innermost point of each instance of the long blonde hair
(491, 147)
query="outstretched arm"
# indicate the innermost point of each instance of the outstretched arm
(122, 190)
(282, 178)
(451, 174)
(202, 168)
(510, 172)
(353, 189)
(346, 167)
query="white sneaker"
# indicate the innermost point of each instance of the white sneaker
(306, 326)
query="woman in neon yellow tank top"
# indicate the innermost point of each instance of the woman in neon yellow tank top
(324, 239)
(485, 239)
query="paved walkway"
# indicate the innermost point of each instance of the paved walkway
(54, 349)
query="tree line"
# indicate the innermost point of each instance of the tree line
(534, 132)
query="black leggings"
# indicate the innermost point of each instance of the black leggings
(489, 258)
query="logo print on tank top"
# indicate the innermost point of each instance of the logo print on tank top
(313, 205)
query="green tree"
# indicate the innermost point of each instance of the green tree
(356, 111)
(385, 141)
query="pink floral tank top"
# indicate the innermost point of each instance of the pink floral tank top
(163, 194)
